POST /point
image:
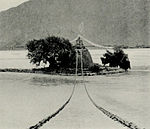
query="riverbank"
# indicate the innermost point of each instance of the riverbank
(69, 72)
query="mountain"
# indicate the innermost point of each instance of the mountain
(105, 22)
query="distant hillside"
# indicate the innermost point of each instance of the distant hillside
(106, 22)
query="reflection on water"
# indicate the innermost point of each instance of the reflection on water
(54, 81)
(39, 79)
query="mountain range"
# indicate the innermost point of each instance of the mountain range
(104, 22)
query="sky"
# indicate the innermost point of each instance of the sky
(6, 4)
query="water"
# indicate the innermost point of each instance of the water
(139, 58)
(14, 59)
(27, 98)
(18, 59)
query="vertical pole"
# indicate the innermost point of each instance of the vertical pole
(76, 62)
(81, 62)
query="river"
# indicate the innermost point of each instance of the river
(27, 98)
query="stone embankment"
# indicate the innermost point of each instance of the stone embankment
(105, 71)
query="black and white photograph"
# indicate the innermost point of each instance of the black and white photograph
(74, 64)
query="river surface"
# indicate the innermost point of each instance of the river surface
(26, 99)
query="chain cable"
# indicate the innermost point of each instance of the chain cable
(114, 117)
(45, 120)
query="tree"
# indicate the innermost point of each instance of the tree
(56, 51)
(118, 58)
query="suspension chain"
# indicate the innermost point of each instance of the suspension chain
(45, 120)
(114, 117)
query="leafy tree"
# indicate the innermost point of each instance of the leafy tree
(118, 58)
(56, 51)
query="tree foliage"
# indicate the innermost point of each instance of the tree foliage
(118, 58)
(56, 51)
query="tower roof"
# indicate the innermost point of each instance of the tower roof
(87, 42)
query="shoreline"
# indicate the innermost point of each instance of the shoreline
(86, 73)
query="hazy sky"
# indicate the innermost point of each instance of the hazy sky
(6, 4)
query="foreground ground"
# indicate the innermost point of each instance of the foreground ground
(28, 98)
